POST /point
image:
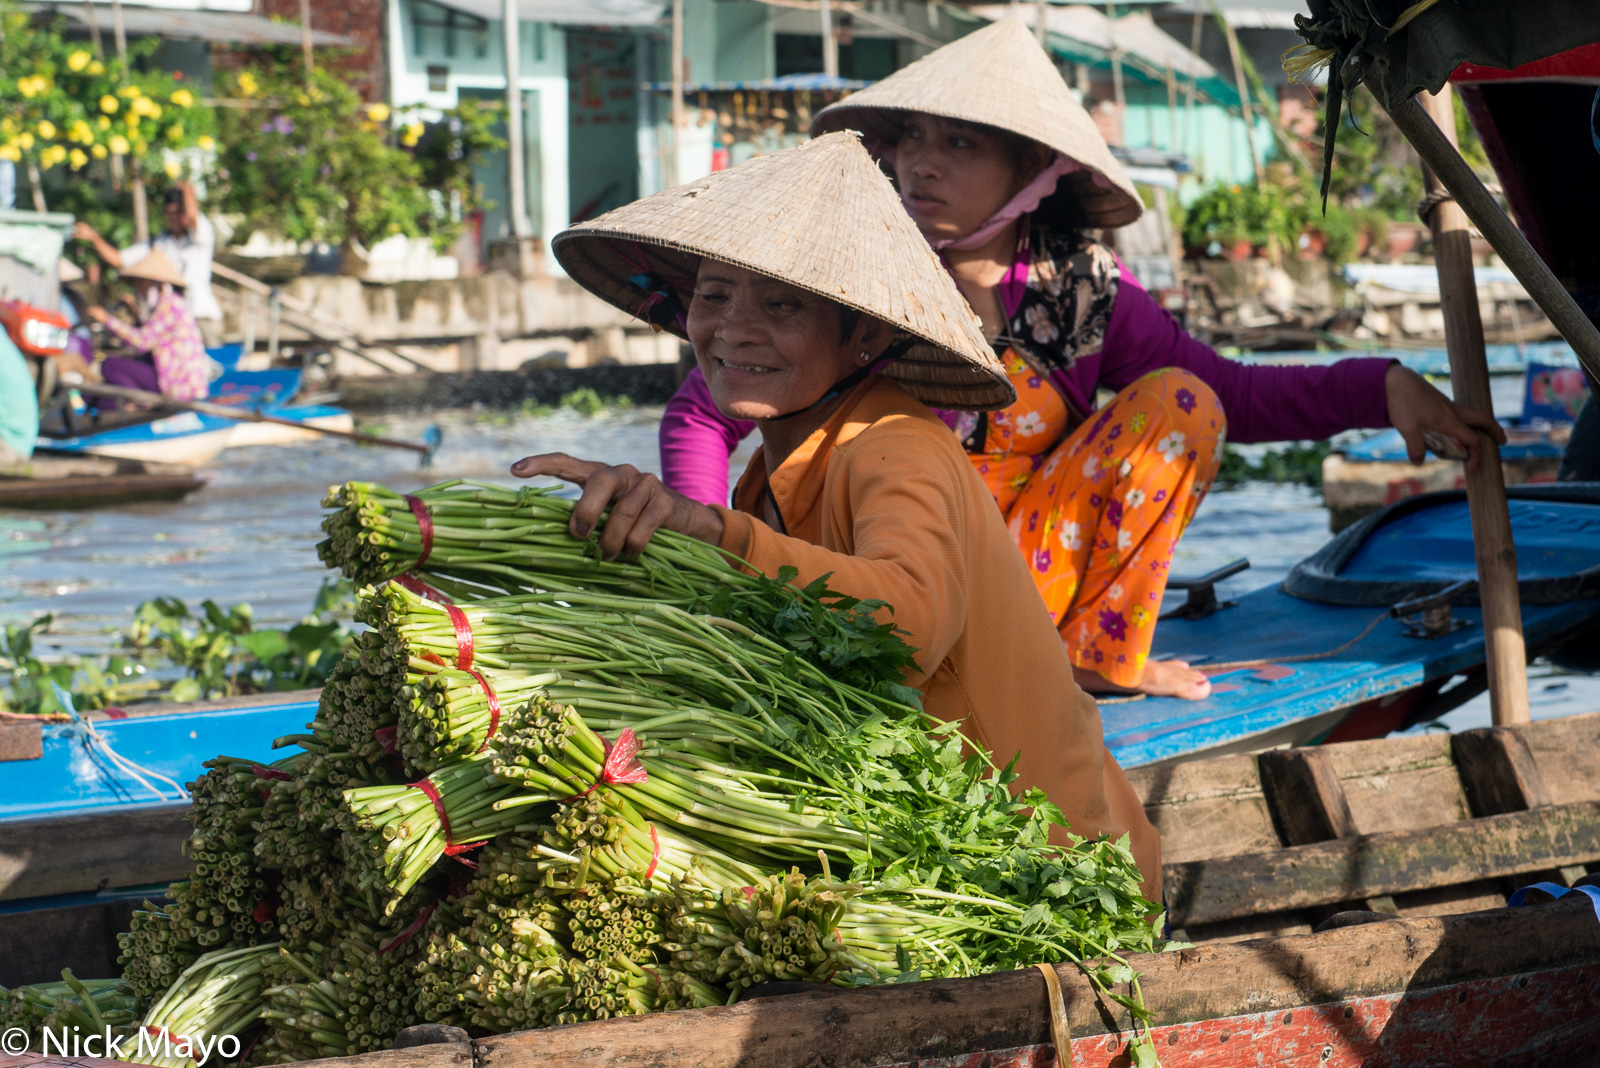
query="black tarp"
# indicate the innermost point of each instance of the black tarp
(1412, 46)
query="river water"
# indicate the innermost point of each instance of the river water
(250, 534)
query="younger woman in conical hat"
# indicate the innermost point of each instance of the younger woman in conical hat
(1004, 173)
(796, 276)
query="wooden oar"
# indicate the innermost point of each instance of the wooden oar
(245, 415)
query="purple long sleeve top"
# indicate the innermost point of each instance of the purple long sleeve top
(1262, 403)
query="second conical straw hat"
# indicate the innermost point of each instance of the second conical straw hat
(998, 76)
(820, 216)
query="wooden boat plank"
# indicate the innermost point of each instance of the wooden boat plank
(119, 847)
(1304, 792)
(1505, 1020)
(914, 1022)
(36, 943)
(1567, 752)
(1206, 808)
(20, 740)
(1498, 771)
(1368, 866)
(1399, 784)
(439, 1055)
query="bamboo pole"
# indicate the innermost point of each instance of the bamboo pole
(1119, 93)
(1041, 25)
(1506, 655)
(1439, 153)
(677, 92)
(305, 38)
(1246, 109)
(141, 207)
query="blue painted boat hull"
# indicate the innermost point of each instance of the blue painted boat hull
(74, 777)
(193, 438)
(1412, 548)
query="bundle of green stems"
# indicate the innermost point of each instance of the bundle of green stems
(487, 540)
(349, 995)
(219, 994)
(83, 1006)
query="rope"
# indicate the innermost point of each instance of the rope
(1236, 665)
(1426, 205)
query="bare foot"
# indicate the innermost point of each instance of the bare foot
(1162, 678)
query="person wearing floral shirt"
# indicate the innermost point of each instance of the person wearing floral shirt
(175, 361)
(1005, 174)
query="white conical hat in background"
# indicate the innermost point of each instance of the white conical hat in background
(998, 76)
(820, 216)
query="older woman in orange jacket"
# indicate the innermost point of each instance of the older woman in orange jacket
(797, 276)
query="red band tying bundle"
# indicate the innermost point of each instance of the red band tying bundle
(264, 911)
(162, 1033)
(431, 792)
(424, 526)
(261, 772)
(422, 589)
(389, 738)
(411, 929)
(458, 620)
(621, 766)
(494, 707)
(655, 852)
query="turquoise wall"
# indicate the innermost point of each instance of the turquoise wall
(1212, 138)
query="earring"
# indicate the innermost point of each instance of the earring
(865, 357)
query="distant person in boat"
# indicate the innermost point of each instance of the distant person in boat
(175, 362)
(856, 480)
(1007, 178)
(189, 244)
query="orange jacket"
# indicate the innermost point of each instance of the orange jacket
(882, 497)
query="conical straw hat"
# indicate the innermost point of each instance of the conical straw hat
(820, 216)
(997, 76)
(154, 268)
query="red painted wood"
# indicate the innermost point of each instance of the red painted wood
(1580, 63)
(1545, 1020)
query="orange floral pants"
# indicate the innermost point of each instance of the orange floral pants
(1097, 516)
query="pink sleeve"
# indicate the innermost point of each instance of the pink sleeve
(696, 442)
(1263, 403)
(144, 336)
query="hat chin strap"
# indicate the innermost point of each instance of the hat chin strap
(851, 380)
(1026, 200)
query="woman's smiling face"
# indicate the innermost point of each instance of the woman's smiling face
(954, 175)
(768, 348)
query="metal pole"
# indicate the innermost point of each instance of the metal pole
(1041, 28)
(1445, 161)
(515, 178)
(677, 88)
(830, 46)
(1507, 656)
(141, 209)
(305, 36)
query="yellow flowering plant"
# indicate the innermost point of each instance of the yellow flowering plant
(318, 163)
(68, 111)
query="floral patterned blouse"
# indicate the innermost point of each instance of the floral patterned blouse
(172, 339)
